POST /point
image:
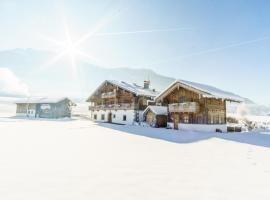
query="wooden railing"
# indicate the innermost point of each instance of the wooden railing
(123, 106)
(191, 107)
(108, 95)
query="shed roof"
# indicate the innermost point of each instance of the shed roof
(42, 100)
(157, 110)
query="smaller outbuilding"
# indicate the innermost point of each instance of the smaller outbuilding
(156, 116)
(43, 107)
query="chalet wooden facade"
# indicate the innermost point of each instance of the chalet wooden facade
(182, 105)
(44, 107)
(196, 106)
(120, 102)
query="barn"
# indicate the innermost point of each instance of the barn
(43, 107)
(156, 116)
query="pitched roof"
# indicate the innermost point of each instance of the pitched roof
(41, 100)
(204, 90)
(131, 87)
(158, 110)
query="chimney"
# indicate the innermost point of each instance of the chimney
(146, 84)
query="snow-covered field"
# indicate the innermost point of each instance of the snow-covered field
(7, 107)
(77, 159)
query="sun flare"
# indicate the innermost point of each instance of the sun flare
(72, 48)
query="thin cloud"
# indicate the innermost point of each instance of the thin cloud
(142, 31)
(11, 85)
(207, 51)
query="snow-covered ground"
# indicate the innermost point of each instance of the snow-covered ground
(77, 159)
(7, 107)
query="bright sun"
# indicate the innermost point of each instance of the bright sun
(71, 48)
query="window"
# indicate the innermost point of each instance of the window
(102, 117)
(182, 99)
(95, 116)
(124, 118)
(216, 119)
(199, 120)
(186, 120)
(114, 116)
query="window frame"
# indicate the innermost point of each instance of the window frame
(102, 116)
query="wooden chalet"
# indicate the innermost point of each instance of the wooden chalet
(196, 106)
(120, 102)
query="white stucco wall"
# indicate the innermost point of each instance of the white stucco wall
(130, 114)
(201, 127)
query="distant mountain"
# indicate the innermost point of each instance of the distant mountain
(256, 109)
(158, 82)
(30, 66)
(20, 60)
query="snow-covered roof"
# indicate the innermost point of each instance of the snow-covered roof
(131, 87)
(134, 88)
(205, 90)
(41, 100)
(158, 110)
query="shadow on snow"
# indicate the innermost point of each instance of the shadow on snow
(17, 119)
(177, 136)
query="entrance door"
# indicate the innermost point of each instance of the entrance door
(31, 113)
(110, 117)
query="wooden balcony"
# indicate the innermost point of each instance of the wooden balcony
(123, 106)
(190, 107)
(108, 95)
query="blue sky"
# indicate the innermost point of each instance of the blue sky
(222, 43)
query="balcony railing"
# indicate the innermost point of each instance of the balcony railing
(123, 106)
(191, 107)
(108, 95)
